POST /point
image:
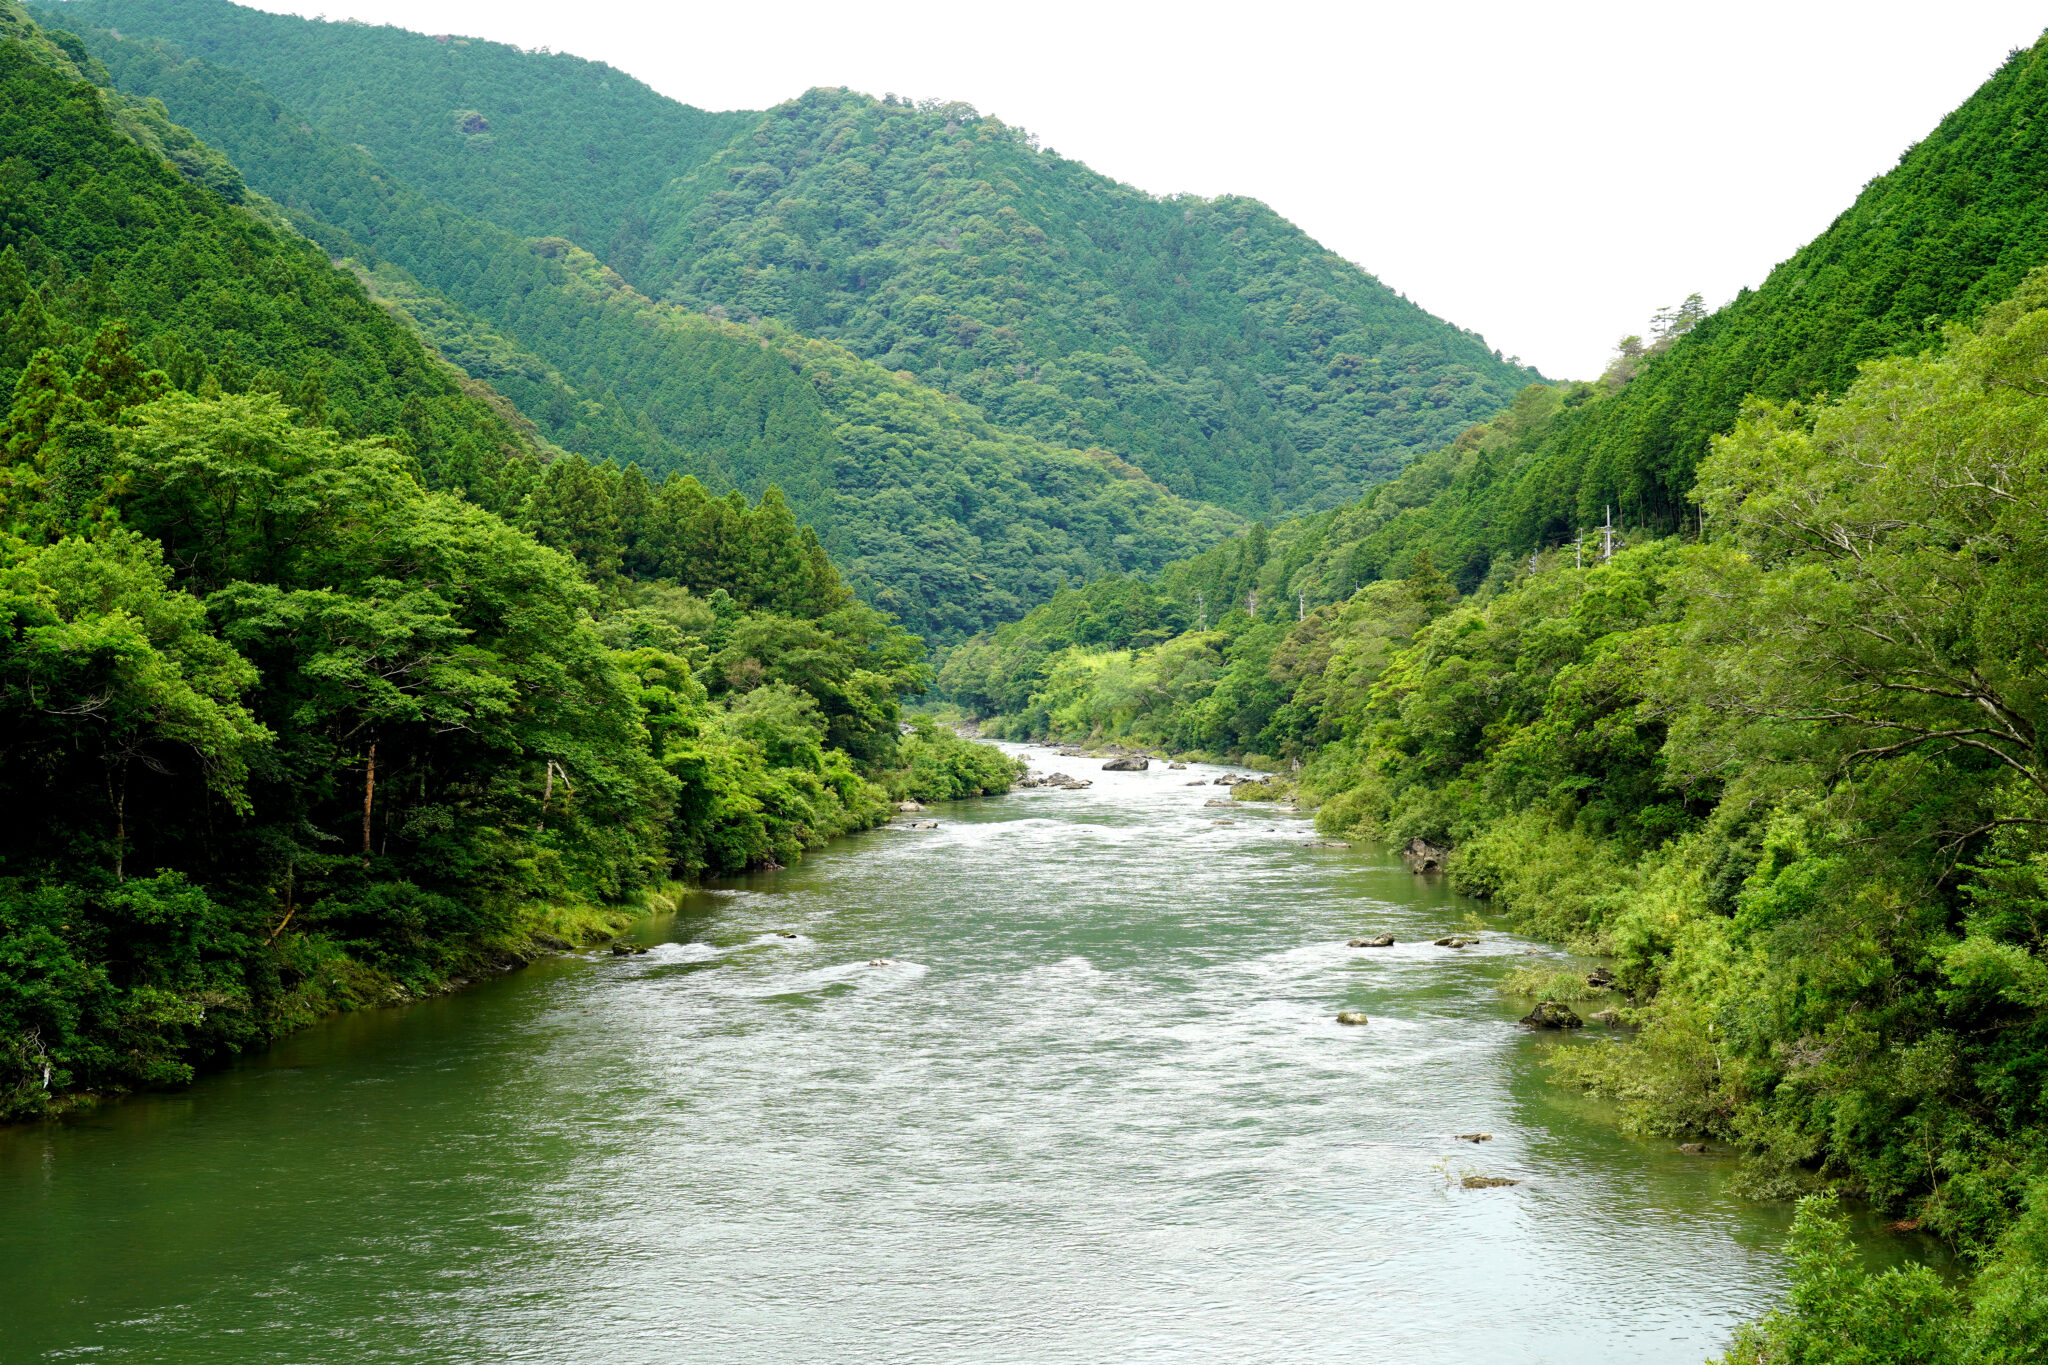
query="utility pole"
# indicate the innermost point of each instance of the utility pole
(1251, 604)
(1578, 548)
(1301, 613)
(1607, 538)
(1201, 611)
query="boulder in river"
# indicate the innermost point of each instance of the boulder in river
(1600, 978)
(1178, 767)
(1326, 843)
(625, 949)
(1231, 780)
(1609, 1018)
(1486, 1182)
(1475, 1137)
(1550, 1014)
(1376, 941)
(1351, 1017)
(1129, 763)
(1456, 941)
(908, 806)
(1693, 1148)
(1423, 856)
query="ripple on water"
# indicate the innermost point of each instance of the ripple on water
(1059, 1081)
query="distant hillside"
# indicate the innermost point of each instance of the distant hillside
(544, 144)
(1211, 344)
(932, 512)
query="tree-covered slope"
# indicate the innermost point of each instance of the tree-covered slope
(1211, 343)
(293, 721)
(955, 531)
(109, 214)
(1950, 230)
(542, 143)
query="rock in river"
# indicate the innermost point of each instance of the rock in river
(1376, 941)
(1550, 1014)
(1600, 978)
(909, 806)
(1423, 856)
(1351, 1016)
(1129, 763)
(625, 949)
(1455, 941)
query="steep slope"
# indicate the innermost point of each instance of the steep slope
(1213, 345)
(1950, 230)
(541, 143)
(603, 370)
(109, 214)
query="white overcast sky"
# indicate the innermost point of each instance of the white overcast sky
(1546, 174)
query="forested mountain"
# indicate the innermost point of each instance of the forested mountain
(934, 513)
(318, 684)
(1774, 753)
(1209, 343)
(542, 143)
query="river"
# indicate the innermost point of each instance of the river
(1092, 1106)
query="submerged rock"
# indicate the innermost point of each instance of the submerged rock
(1225, 804)
(1475, 1137)
(881, 962)
(1351, 1017)
(1376, 941)
(1423, 856)
(1607, 1017)
(785, 933)
(1326, 843)
(1550, 1014)
(1486, 1182)
(919, 824)
(1693, 1148)
(1129, 763)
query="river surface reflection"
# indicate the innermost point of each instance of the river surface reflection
(1094, 1107)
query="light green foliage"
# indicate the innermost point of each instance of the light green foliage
(938, 765)
(1788, 780)
(303, 727)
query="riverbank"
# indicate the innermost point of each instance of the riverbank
(1058, 1080)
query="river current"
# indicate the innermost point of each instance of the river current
(1058, 1081)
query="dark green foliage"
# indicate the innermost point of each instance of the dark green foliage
(1948, 232)
(1211, 344)
(96, 228)
(542, 143)
(939, 516)
(297, 726)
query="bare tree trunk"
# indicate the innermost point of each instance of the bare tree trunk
(117, 797)
(369, 791)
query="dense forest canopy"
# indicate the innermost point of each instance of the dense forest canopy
(324, 681)
(950, 521)
(1209, 343)
(542, 143)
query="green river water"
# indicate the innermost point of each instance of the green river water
(1093, 1108)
